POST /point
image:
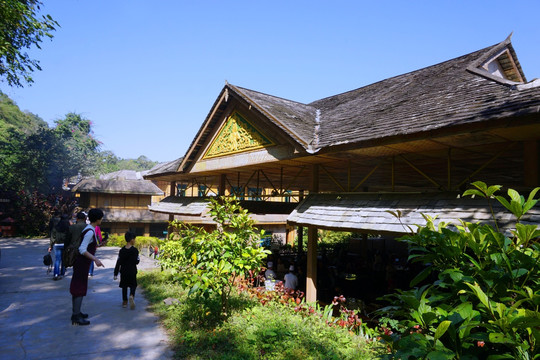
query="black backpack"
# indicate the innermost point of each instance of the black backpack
(72, 250)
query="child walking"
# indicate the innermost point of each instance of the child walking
(126, 264)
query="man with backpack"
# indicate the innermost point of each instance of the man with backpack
(76, 229)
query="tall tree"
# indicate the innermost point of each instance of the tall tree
(21, 28)
(80, 146)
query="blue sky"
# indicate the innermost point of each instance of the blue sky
(147, 72)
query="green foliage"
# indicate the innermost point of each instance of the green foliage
(141, 242)
(32, 212)
(80, 147)
(35, 158)
(252, 331)
(210, 262)
(20, 29)
(108, 162)
(11, 117)
(485, 300)
(327, 239)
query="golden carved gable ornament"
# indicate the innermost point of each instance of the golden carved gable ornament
(235, 136)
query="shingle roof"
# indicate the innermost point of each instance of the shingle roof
(368, 212)
(133, 215)
(453, 93)
(124, 175)
(296, 119)
(439, 96)
(195, 210)
(164, 168)
(113, 186)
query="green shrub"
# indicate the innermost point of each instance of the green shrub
(210, 262)
(252, 330)
(485, 301)
(141, 242)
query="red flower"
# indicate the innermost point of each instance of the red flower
(480, 344)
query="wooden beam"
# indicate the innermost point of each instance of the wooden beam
(333, 179)
(295, 177)
(367, 177)
(269, 181)
(421, 172)
(485, 164)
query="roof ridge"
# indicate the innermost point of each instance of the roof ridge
(313, 103)
(266, 94)
(267, 113)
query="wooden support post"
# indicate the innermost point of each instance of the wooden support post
(311, 281)
(300, 231)
(531, 163)
(171, 216)
(449, 169)
(393, 173)
(222, 179)
(349, 176)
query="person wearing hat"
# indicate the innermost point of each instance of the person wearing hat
(291, 280)
(269, 274)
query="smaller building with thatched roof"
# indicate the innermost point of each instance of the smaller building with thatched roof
(124, 196)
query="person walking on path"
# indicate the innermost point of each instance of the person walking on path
(126, 264)
(58, 238)
(79, 280)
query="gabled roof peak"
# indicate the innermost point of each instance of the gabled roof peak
(499, 64)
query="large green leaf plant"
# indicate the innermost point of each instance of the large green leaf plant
(209, 263)
(478, 296)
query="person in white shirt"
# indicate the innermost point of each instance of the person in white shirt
(269, 274)
(291, 280)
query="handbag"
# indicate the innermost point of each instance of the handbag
(47, 260)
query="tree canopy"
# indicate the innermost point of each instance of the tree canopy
(21, 28)
(36, 157)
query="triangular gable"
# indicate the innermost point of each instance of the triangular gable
(236, 135)
(500, 64)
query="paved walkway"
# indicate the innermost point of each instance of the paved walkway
(35, 311)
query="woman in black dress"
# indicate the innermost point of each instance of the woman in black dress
(126, 264)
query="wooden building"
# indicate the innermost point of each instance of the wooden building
(411, 142)
(124, 196)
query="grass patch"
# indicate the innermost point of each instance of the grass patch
(252, 331)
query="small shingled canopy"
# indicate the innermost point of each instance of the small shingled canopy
(371, 212)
